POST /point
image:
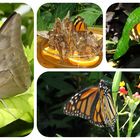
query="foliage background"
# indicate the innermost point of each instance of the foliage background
(47, 14)
(116, 18)
(16, 113)
(54, 89)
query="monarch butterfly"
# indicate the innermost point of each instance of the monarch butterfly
(79, 24)
(135, 33)
(94, 104)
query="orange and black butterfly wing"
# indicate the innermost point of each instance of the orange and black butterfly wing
(108, 111)
(96, 112)
(135, 33)
(83, 104)
(79, 24)
(94, 104)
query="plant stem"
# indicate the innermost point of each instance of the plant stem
(123, 108)
(125, 123)
(130, 125)
(124, 113)
(118, 127)
(136, 122)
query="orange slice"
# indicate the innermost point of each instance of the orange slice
(84, 63)
(51, 53)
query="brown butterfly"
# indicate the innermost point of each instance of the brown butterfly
(15, 74)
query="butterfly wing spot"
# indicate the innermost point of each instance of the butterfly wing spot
(77, 114)
(76, 101)
(71, 101)
(65, 108)
(73, 108)
(87, 117)
(72, 114)
(72, 97)
(76, 95)
(83, 115)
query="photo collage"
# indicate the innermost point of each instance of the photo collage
(69, 69)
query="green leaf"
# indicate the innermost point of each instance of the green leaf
(90, 17)
(16, 129)
(123, 44)
(1, 23)
(59, 84)
(29, 52)
(22, 132)
(95, 77)
(62, 9)
(129, 90)
(7, 7)
(43, 20)
(28, 117)
(91, 14)
(15, 107)
(116, 84)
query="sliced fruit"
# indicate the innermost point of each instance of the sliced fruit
(51, 53)
(84, 63)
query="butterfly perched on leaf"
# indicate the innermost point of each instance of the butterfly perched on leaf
(94, 104)
(79, 24)
(15, 73)
(135, 33)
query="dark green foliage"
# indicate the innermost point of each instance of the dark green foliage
(47, 14)
(22, 129)
(5, 8)
(28, 22)
(123, 44)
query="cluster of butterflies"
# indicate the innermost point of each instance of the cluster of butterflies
(94, 104)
